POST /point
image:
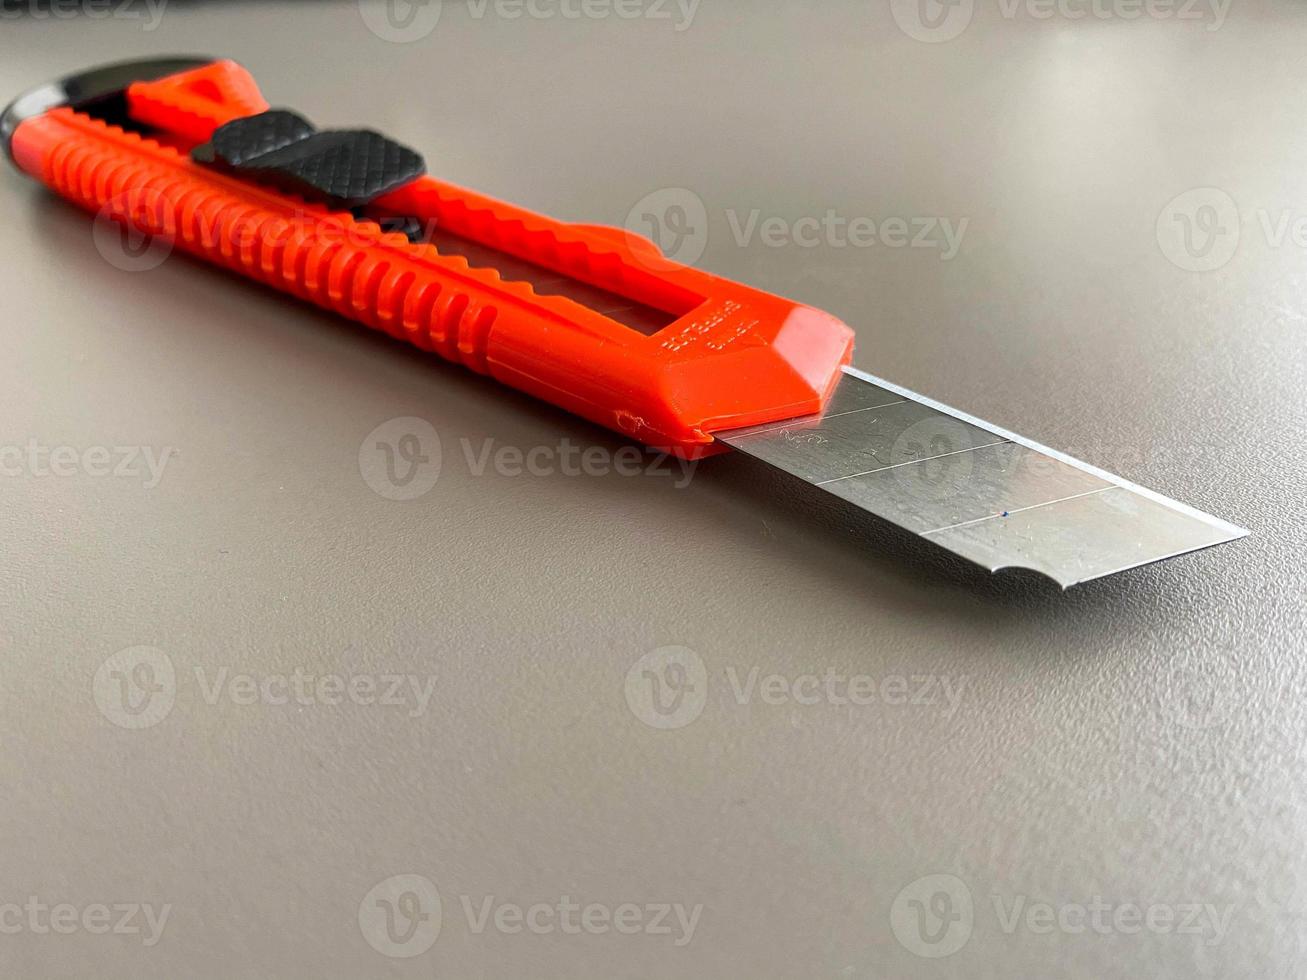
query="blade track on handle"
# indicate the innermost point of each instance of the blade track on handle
(989, 495)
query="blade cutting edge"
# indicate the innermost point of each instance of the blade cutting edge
(989, 495)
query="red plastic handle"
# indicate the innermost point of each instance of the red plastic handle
(733, 356)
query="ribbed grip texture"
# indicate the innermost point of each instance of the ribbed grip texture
(329, 258)
(728, 356)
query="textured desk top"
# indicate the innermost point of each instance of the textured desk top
(852, 713)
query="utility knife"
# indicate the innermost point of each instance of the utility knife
(591, 318)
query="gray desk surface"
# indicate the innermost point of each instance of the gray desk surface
(1136, 742)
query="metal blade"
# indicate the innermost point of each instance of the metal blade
(982, 492)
